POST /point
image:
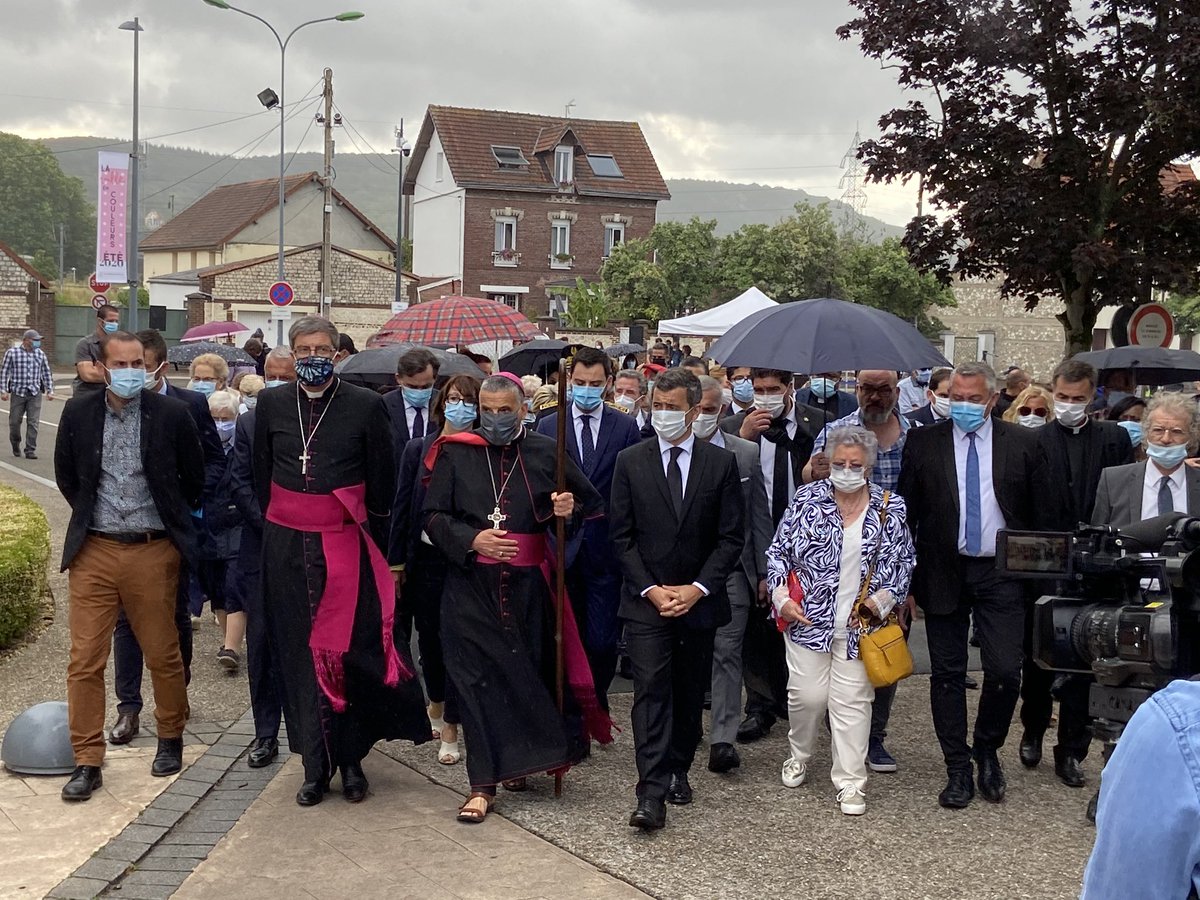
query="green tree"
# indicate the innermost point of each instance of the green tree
(882, 276)
(795, 259)
(37, 198)
(669, 273)
(635, 283)
(1186, 311)
(589, 305)
(1050, 146)
(143, 297)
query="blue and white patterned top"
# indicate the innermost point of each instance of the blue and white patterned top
(886, 473)
(809, 542)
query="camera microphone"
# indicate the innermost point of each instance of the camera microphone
(1151, 534)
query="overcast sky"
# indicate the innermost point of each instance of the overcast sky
(757, 91)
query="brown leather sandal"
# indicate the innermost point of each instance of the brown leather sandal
(516, 785)
(476, 808)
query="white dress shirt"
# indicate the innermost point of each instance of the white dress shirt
(1154, 476)
(766, 457)
(717, 439)
(685, 466)
(992, 519)
(410, 415)
(577, 415)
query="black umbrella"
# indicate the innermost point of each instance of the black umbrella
(376, 366)
(825, 335)
(532, 357)
(624, 349)
(183, 354)
(1151, 365)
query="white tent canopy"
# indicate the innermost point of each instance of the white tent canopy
(716, 321)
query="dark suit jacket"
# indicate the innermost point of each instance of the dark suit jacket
(1119, 495)
(840, 404)
(759, 532)
(929, 485)
(618, 430)
(809, 422)
(245, 498)
(394, 402)
(407, 520)
(1105, 444)
(210, 441)
(654, 547)
(922, 415)
(171, 456)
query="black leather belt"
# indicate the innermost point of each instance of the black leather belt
(129, 537)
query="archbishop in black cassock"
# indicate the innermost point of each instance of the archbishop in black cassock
(351, 446)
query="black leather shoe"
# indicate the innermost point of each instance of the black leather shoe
(311, 792)
(125, 729)
(754, 727)
(723, 758)
(262, 753)
(680, 792)
(990, 776)
(354, 783)
(1068, 770)
(169, 758)
(84, 780)
(1091, 807)
(649, 815)
(1031, 750)
(30, 454)
(959, 791)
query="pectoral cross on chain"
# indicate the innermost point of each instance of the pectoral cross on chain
(496, 518)
(304, 458)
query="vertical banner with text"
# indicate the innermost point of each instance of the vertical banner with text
(110, 218)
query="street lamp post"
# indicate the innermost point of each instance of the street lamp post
(131, 247)
(283, 44)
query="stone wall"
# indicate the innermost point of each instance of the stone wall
(1032, 340)
(24, 304)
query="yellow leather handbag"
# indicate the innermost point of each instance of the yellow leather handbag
(884, 651)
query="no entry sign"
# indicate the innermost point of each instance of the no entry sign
(1151, 326)
(281, 294)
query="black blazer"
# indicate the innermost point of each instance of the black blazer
(407, 521)
(809, 423)
(394, 402)
(210, 441)
(929, 485)
(171, 456)
(654, 547)
(1105, 444)
(839, 405)
(922, 415)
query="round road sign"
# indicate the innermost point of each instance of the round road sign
(98, 286)
(281, 294)
(98, 300)
(1151, 326)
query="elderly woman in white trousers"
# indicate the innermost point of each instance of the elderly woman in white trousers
(835, 534)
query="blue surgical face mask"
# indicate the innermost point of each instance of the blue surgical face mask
(111, 327)
(127, 383)
(418, 397)
(225, 431)
(743, 391)
(36, 345)
(1135, 431)
(202, 387)
(314, 370)
(587, 397)
(1167, 456)
(968, 416)
(823, 387)
(250, 402)
(275, 382)
(923, 376)
(461, 414)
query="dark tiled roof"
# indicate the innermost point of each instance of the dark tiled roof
(467, 136)
(214, 219)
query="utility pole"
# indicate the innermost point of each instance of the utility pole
(402, 152)
(327, 214)
(135, 214)
(61, 242)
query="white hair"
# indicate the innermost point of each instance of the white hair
(223, 401)
(854, 436)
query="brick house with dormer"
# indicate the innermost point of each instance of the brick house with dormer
(518, 206)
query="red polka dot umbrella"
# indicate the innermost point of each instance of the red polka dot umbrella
(457, 320)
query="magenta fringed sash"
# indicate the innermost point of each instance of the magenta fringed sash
(340, 518)
(534, 550)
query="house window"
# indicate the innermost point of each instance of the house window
(509, 157)
(505, 248)
(560, 244)
(441, 166)
(614, 234)
(513, 300)
(564, 164)
(604, 166)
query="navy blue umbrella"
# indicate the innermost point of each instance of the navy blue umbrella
(1151, 365)
(825, 335)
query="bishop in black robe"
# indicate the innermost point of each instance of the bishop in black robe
(336, 705)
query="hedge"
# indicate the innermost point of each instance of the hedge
(24, 554)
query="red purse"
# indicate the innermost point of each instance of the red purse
(796, 595)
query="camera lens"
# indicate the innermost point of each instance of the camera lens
(1094, 632)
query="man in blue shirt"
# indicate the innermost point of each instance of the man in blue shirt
(1148, 822)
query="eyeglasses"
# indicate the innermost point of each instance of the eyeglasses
(1032, 411)
(326, 351)
(739, 379)
(856, 468)
(1160, 431)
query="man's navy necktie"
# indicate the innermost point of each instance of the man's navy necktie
(418, 429)
(1166, 500)
(587, 446)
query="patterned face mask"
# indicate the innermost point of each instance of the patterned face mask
(314, 370)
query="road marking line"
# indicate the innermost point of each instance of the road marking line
(38, 478)
(42, 421)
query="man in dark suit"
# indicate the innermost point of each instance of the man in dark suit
(741, 391)
(408, 405)
(784, 432)
(677, 526)
(938, 407)
(964, 480)
(595, 435)
(822, 394)
(129, 463)
(629, 393)
(127, 655)
(1072, 451)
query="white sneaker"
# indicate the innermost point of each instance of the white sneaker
(852, 801)
(794, 773)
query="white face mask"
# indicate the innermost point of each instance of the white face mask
(705, 425)
(1033, 420)
(669, 424)
(773, 403)
(726, 396)
(941, 407)
(847, 480)
(1070, 414)
(626, 403)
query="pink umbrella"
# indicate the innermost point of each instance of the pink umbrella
(210, 330)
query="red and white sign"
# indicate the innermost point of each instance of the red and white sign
(111, 244)
(98, 300)
(1151, 326)
(98, 286)
(281, 294)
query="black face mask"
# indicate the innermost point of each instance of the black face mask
(499, 429)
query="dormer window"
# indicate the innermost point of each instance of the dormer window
(509, 157)
(564, 164)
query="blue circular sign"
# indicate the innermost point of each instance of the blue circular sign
(281, 294)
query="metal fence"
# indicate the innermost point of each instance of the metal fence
(74, 322)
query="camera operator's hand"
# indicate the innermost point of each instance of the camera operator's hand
(906, 612)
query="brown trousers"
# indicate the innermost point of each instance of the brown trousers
(140, 578)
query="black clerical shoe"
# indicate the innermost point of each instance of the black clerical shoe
(1091, 807)
(958, 791)
(84, 780)
(650, 815)
(723, 758)
(990, 775)
(263, 752)
(754, 727)
(311, 792)
(1068, 770)
(169, 758)
(680, 792)
(125, 729)
(1031, 749)
(354, 783)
